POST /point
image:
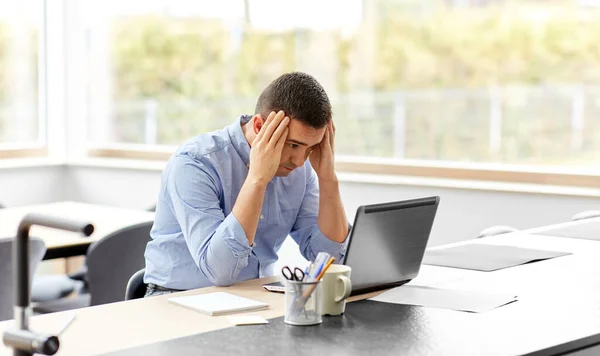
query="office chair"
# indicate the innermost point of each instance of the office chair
(496, 230)
(136, 288)
(588, 214)
(37, 249)
(110, 263)
(81, 274)
(51, 287)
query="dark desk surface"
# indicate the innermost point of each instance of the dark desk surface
(559, 305)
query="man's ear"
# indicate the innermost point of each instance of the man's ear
(257, 123)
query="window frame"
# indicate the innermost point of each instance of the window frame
(557, 176)
(487, 172)
(39, 147)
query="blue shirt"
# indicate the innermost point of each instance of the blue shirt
(197, 241)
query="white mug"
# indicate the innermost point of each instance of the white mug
(336, 288)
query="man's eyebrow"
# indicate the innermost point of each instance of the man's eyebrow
(297, 142)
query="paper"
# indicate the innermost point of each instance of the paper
(589, 230)
(247, 320)
(484, 257)
(218, 303)
(461, 300)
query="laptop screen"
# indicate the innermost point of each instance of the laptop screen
(387, 243)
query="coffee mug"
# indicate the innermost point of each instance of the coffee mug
(336, 288)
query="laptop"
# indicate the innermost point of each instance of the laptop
(386, 244)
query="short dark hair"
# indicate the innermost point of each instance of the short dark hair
(300, 96)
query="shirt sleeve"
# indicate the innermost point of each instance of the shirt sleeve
(306, 232)
(217, 243)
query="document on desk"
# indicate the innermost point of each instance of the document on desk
(460, 300)
(486, 257)
(218, 303)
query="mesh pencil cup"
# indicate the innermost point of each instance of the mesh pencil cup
(303, 303)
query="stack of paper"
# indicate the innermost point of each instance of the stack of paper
(486, 257)
(218, 303)
(460, 300)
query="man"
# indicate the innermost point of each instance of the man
(229, 198)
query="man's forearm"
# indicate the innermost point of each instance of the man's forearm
(248, 207)
(332, 216)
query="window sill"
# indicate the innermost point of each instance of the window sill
(17, 163)
(382, 179)
(445, 183)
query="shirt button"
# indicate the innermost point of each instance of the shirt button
(262, 216)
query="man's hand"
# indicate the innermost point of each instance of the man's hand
(322, 156)
(265, 154)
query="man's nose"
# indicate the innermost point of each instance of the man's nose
(298, 159)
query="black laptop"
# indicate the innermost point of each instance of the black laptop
(386, 244)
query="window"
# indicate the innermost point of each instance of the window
(507, 82)
(22, 116)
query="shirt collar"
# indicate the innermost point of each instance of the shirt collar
(238, 140)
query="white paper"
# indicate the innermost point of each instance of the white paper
(247, 320)
(461, 300)
(218, 303)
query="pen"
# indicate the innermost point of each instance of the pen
(301, 301)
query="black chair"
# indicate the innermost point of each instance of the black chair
(110, 262)
(46, 288)
(136, 288)
(37, 249)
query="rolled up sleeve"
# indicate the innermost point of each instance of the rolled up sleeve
(306, 232)
(217, 243)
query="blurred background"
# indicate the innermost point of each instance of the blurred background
(463, 80)
(492, 104)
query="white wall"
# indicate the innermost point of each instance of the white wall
(461, 215)
(32, 185)
(127, 188)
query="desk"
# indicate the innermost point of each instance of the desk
(60, 243)
(559, 302)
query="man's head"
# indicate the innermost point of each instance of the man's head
(305, 102)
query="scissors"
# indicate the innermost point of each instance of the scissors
(297, 275)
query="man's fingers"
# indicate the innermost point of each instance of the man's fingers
(279, 131)
(273, 124)
(261, 133)
(281, 140)
(331, 134)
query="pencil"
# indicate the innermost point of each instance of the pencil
(311, 288)
(331, 259)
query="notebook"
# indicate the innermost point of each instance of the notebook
(218, 303)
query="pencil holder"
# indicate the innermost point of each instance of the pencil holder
(303, 303)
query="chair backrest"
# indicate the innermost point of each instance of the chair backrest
(113, 259)
(496, 230)
(37, 249)
(136, 288)
(587, 214)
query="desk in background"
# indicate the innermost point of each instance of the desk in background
(559, 303)
(60, 244)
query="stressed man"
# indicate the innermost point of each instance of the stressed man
(229, 198)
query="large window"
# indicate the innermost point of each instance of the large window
(514, 82)
(21, 99)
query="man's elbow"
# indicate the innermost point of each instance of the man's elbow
(218, 277)
(221, 281)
